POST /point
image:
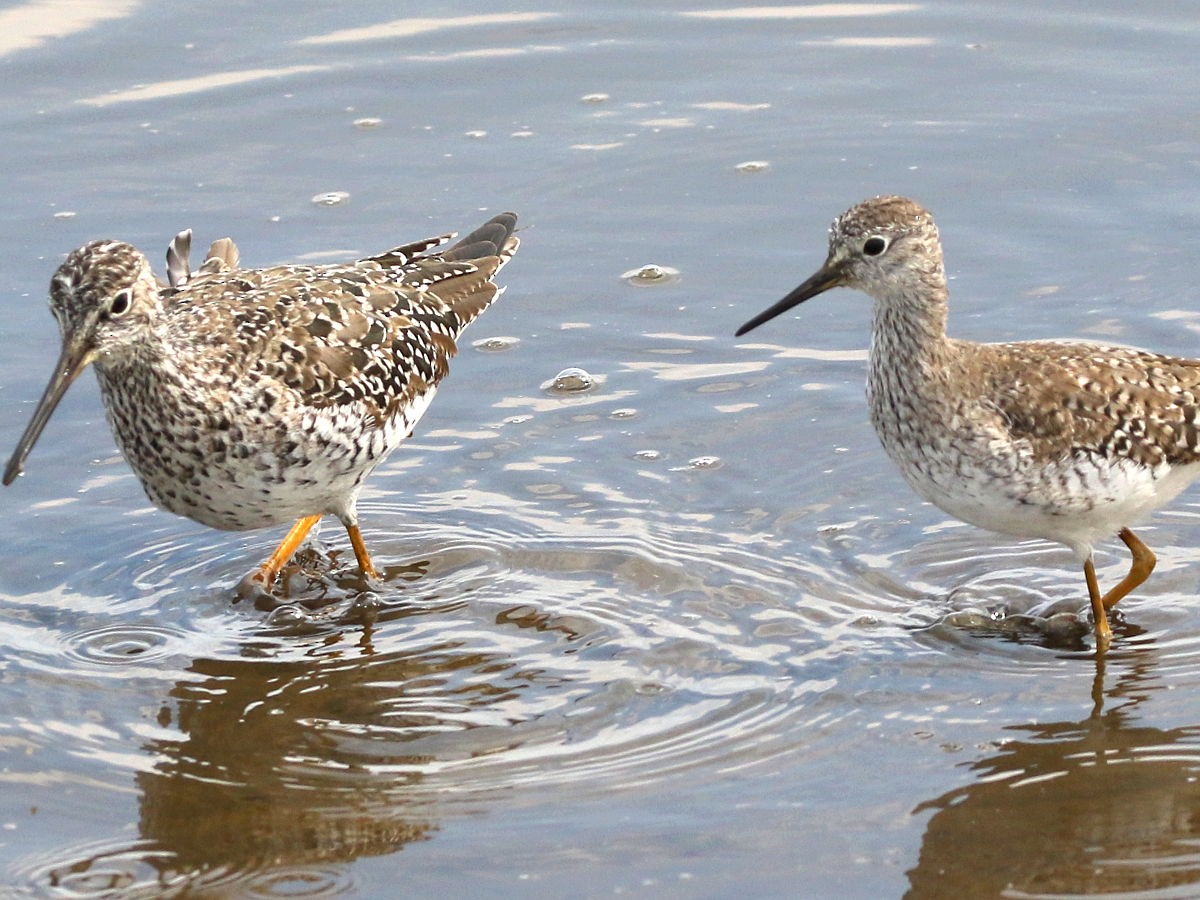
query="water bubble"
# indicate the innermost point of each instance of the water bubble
(651, 688)
(477, 133)
(288, 615)
(368, 122)
(611, 145)
(754, 165)
(331, 198)
(571, 380)
(651, 275)
(497, 343)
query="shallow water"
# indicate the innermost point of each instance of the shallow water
(681, 633)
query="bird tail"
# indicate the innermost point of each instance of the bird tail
(493, 238)
(485, 250)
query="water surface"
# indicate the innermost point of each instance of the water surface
(682, 633)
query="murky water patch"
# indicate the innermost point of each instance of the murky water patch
(953, 589)
(1034, 592)
(515, 656)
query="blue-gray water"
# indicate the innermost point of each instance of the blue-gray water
(684, 634)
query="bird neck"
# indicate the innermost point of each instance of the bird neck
(909, 346)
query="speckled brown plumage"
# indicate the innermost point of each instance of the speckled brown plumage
(249, 397)
(1063, 440)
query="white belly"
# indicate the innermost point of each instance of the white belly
(1076, 502)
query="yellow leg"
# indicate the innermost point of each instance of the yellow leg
(360, 552)
(1139, 571)
(1099, 613)
(269, 571)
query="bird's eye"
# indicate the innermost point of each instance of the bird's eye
(874, 246)
(121, 302)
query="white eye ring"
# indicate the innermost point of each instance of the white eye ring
(874, 245)
(122, 300)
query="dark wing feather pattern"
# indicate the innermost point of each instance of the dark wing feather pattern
(380, 331)
(1146, 410)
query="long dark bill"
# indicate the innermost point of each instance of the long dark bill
(825, 278)
(74, 359)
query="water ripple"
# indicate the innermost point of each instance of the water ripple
(593, 642)
(118, 645)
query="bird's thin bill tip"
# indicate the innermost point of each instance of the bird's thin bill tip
(825, 278)
(16, 463)
(762, 318)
